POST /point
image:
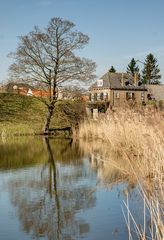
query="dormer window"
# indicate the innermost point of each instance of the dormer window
(139, 83)
(127, 83)
(100, 83)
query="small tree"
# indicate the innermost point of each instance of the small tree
(47, 59)
(151, 71)
(73, 92)
(132, 67)
(112, 70)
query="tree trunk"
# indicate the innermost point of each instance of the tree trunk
(48, 119)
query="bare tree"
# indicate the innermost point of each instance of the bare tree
(48, 58)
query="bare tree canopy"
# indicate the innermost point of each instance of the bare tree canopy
(48, 58)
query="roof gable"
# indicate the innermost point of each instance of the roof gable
(117, 81)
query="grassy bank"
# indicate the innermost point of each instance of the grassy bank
(26, 115)
(136, 138)
(20, 114)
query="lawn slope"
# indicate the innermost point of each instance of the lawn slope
(26, 115)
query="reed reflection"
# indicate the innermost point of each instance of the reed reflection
(112, 168)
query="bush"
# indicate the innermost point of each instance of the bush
(68, 113)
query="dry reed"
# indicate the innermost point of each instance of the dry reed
(137, 137)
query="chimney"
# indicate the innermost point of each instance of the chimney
(122, 79)
(135, 79)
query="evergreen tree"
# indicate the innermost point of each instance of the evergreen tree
(112, 70)
(132, 67)
(151, 71)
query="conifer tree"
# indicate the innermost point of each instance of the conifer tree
(112, 70)
(151, 71)
(132, 67)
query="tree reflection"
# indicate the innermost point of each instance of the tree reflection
(48, 198)
(53, 174)
(21, 152)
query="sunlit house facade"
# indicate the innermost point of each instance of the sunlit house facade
(115, 90)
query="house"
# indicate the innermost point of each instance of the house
(72, 93)
(1, 89)
(25, 89)
(19, 88)
(115, 90)
(28, 90)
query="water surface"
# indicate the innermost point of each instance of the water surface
(54, 190)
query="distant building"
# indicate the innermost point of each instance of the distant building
(1, 89)
(71, 94)
(155, 92)
(115, 90)
(28, 90)
(25, 89)
(20, 88)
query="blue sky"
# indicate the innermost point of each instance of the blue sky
(118, 29)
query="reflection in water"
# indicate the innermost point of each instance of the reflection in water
(111, 167)
(59, 194)
(41, 197)
(21, 152)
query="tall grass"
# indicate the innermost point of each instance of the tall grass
(138, 137)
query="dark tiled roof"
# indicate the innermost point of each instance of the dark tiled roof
(114, 81)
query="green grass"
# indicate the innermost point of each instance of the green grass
(20, 114)
(26, 115)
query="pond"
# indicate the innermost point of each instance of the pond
(61, 190)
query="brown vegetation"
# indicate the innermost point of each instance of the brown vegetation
(136, 138)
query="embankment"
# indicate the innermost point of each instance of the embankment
(26, 115)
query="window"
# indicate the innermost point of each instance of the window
(117, 95)
(98, 96)
(105, 96)
(100, 82)
(142, 96)
(101, 96)
(92, 97)
(95, 97)
(127, 83)
(130, 95)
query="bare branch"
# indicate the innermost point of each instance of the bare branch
(48, 58)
